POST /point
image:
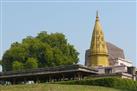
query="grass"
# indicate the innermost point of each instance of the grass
(54, 87)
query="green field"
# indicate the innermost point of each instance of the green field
(54, 87)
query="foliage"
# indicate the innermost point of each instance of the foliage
(16, 65)
(0, 62)
(118, 83)
(48, 49)
(31, 63)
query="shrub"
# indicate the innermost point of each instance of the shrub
(118, 83)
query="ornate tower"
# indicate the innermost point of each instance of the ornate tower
(98, 53)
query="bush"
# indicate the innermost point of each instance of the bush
(118, 83)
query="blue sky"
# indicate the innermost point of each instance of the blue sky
(74, 19)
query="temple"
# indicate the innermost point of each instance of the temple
(106, 57)
(102, 59)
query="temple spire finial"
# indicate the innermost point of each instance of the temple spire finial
(97, 17)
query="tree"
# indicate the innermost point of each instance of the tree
(31, 63)
(48, 49)
(0, 62)
(16, 66)
(18, 52)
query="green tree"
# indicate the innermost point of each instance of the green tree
(0, 62)
(48, 49)
(16, 52)
(31, 63)
(16, 66)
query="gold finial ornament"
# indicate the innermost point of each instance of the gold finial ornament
(98, 49)
(97, 18)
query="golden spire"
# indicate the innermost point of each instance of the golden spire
(98, 49)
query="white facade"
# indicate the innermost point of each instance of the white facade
(112, 69)
(122, 62)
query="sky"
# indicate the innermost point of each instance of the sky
(75, 19)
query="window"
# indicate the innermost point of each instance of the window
(108, 70)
